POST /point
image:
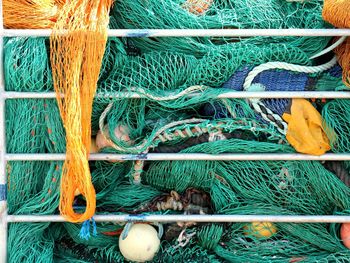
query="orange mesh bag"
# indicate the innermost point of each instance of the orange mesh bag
(337, 12)
(34, 14)
(76, 58)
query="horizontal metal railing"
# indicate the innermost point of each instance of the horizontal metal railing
(192, 32)
(184, 157)
(189, 218)
(224, 95)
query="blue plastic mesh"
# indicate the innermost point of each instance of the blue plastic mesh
(336, 71)
(273, 80)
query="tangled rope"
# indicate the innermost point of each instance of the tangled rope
(259, 107)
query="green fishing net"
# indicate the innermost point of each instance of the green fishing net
(165, 71)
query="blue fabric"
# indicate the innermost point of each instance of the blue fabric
(3, 192)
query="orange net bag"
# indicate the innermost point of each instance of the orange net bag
(77, 47)
(337, 12)
(34, 14)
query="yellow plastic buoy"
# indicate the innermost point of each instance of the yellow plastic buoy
(260, 229)
(141, 244)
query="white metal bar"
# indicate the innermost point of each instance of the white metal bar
(224, 95)
(185, 156)
(29, 95)
(192, 32)
(189, 218)
(3, 176)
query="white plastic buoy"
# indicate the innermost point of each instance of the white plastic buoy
(141, 244)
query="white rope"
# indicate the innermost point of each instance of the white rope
(287, 66)
(229, 108)
(257, 105)
(145, 142)
(184, 238)
(330, 48)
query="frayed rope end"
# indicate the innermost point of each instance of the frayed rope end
(85, 229)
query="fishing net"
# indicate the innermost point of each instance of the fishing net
(170, 118)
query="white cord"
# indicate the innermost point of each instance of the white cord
(330, 48)
(257, 107)
(287, 66)
(144, 144)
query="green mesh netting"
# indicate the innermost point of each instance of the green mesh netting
(337, 119)
(155, 67)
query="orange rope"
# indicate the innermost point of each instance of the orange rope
(337, 12)
(76, 60)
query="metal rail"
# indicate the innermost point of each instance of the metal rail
(192, 32)
(184, 157)
(224, 95)
(189, 218)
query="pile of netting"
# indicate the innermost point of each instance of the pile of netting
(171, 118)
